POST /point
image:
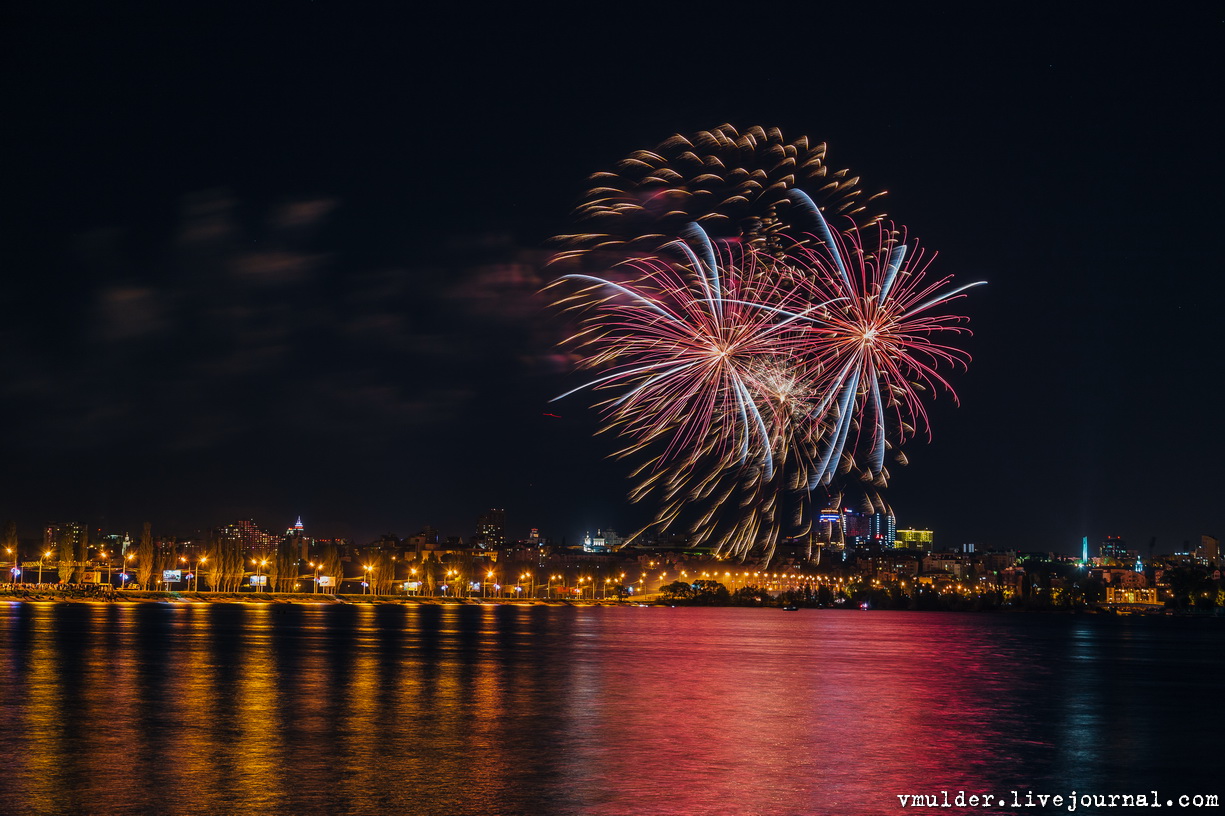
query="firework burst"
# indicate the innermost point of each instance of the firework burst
(749, 371)
(733, 184)
(877, 342)
(703, 355)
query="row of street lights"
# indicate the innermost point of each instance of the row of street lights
(453, 577)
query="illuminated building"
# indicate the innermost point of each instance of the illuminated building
(602, 541)
(1114, 551)
(854, 527)
(491, 529)
(1209, 550)
(914, 539)
(829, 526)
(54, 533)
(1131, 595)
(882, 527)
(301, 544)
(249, 538)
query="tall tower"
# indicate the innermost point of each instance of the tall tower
(854, 527)
(491, 528)
(882, 527)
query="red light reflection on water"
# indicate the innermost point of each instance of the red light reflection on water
(709, 708)
(550, 710)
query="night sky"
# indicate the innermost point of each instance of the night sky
(286, 263)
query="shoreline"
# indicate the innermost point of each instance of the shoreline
(130, 597)
(287, 599)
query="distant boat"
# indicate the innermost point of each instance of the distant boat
(790, 608)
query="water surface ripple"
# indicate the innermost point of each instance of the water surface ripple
(300, 709)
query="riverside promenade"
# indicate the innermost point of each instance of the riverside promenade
(101, 593)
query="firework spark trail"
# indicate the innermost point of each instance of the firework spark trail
(703, 352)
(751, 370)
(877, 335)
(734, 184)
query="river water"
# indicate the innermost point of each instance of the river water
(303, 709)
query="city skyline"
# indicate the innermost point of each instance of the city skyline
(856, 528)
(253, 287)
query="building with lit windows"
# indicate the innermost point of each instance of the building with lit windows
(829, 527)
(53, 534)
(854, 527)
(1113, 551)
(882, 528)
(1131, 596)
(249, 537)
(1209, 551)
(915, 539)
(491, 529)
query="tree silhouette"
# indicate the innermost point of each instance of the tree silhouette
(144, 557)
(65, 554)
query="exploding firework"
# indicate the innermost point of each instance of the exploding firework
(749, 371)
(876, 341)
(733, 184)
(706, 354)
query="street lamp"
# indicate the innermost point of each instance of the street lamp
(16, 569)
(193, 573)
(104, 554)
(47, 554)
(259, 587)
(366, 581)
(317, 567)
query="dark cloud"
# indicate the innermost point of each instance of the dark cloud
(247, 337)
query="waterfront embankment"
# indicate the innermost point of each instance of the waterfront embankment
(92, 594)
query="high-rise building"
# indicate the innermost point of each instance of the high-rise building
(54, 533)
(302, 544)
(854, 527)
(491, 529)
(1209, 550)
(249, 537)
(1114, 552)
(829, 526)
(882, 528)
